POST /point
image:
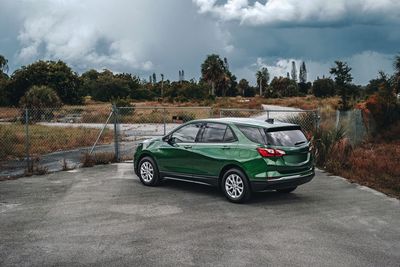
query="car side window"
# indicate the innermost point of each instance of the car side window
(213, 133)
(229, 136)
(254, 134)
(187, 134)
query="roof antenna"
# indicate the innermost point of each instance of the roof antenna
(271, 121)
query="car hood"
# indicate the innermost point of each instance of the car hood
(151, 141)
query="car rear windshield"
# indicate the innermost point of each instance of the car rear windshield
(289, 137)
(274, 136)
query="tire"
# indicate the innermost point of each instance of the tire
(286, 190)
(235, 186)
(148, 172)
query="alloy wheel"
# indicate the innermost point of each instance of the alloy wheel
(234, 186)
(147, 171)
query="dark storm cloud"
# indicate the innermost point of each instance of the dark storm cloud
(165, 36)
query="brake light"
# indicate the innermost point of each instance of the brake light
(270, 152)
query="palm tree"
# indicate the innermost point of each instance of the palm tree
(162, 85)
(213, 70)
(262, 78)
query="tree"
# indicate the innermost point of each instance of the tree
(162, 85)
(383, 104)
(284, 87)
(323, 87)
(374, 84)
(4, 97)
(342, 79)
(154, 78)
(243, 87)
(294, 71)
(3, 64)
(303, 73)
(55, 74)
(213, 70)
(396, 65)
(4, 81)
(262, 77)
(40, 97)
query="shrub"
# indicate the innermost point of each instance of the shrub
(383, 106)
(186, 116)
(89, 160)
(323, 87)
(40, 97)
(124, 105)
(324, 142)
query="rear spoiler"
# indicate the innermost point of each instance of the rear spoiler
(283, 128)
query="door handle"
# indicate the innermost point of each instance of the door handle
(226, 147)
(187, 147)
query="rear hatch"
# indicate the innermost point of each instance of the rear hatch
(292, 141)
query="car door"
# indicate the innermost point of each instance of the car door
(175, 157)
(215, 146)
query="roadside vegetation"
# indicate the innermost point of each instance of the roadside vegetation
(46, 139)
(373, 162)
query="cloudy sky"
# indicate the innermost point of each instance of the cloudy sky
(164, 36)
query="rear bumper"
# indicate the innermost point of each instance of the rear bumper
(281, 182)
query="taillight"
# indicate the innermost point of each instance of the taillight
(270, 152)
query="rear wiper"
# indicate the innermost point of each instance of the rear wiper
(299, 143)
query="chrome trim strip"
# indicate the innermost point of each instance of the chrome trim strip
(288, 177)
(184, 180)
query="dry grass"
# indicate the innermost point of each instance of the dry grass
(88, 160)
(304, 102)
(46, 139)
(375, 163)
(376, 166)
(9, 114)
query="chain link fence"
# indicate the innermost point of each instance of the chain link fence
(50, 139)
(307, 119)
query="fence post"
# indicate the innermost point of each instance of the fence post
(210, 113)
(116, 133)
(318, 118)
(165, 121)
(27, 140)
(337, 119)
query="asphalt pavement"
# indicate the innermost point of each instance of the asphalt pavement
(105, 216)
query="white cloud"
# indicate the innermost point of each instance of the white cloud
(306, 12)
(136, 36)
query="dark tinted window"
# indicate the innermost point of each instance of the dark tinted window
(213, 133)
(229, 136)
(254, 134)
(187, 134)
(286, 138)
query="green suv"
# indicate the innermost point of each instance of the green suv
(238, 155)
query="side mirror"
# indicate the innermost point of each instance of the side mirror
(169, 139)
(172, 140)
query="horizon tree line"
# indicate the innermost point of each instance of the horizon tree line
(216, 80)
